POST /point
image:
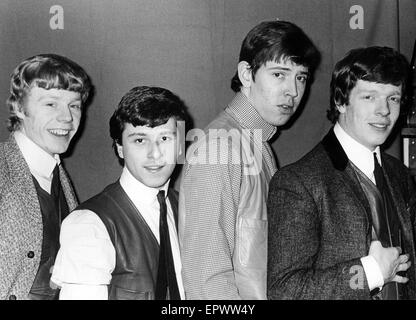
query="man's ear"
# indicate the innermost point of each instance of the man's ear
(341, 108)
(120, 150)
(245, 74)
(18, 110)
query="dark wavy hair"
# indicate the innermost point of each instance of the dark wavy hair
(47, 71)
(275, 40)
(145, 106)
(374, 64)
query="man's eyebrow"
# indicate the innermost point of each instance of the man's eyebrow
(281, 68)
(56, 97)
(398, 92)
(140, 134)
(375, 91)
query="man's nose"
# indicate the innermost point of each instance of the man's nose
(383, 107)
(65, 114)
(154, 150)
(291, 88)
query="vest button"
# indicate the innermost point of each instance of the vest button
(30, 254)
(12, 297)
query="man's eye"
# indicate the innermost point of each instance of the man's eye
(139, 140)
(302, 79)
(278, 74)
(368, 97)
(50, 104)
(76, 106)
(395, 99)
(166, 138)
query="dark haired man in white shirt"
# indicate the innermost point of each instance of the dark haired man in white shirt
(122, 244)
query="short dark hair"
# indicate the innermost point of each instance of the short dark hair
(145, 106)
(273, 41)
(45, 71)
(374, 64)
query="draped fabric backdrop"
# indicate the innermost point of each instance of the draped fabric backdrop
(190, 47)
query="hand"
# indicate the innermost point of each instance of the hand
(390, 261)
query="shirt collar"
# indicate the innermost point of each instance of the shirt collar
(39, 161)
(138, 191)
(244, 112)
(361, 156)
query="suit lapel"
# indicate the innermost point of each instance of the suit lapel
(69, 192)
(340, 162)
(23, 187)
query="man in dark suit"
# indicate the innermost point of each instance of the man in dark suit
(122, 244)
(341, 226)
(47, 92)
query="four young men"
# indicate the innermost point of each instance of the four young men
(332, 228)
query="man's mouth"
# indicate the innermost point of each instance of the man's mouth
(59, 132)
(154, 168)
(286, 107)
(381, 126)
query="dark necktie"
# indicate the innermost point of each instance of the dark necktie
(56, 186)
(56, 194)
(383, 229)
(166, 277)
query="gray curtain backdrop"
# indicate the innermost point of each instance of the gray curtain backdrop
(190, 47)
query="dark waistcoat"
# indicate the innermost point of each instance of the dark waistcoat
(53, 212)
(391, 290)
(137, 249)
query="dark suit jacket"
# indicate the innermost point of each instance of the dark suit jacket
(320, 225)
(21, 228)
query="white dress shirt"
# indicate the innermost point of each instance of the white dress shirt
(363, 159)
(87, 256)
(41, 163)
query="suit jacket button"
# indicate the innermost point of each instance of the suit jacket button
(12, 297)
(30, 254)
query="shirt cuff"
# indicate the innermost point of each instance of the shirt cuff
(83, 292)
(372, 272)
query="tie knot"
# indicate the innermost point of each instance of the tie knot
(56, 183)
(161, 196)
(378, 173)
(55, 171)
(162, 204)
(376, 163)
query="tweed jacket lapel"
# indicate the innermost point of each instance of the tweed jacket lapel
(69, 192)
(341, 163)
(25, 221)
(22, 185)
